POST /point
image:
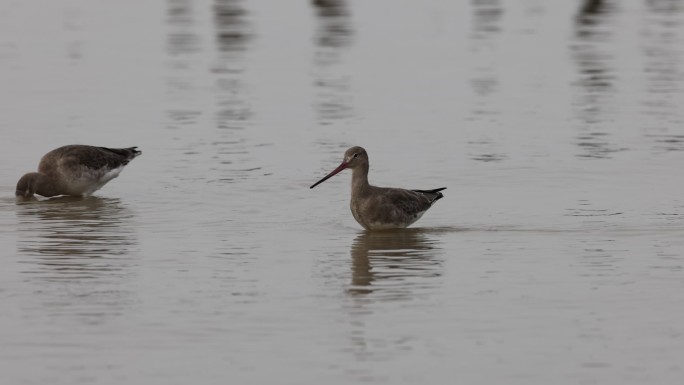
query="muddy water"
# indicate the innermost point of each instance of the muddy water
(556, 255)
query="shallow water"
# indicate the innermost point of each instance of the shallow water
(556, 256)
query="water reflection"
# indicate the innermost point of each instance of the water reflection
(662, 67)
(183, 47)
(72, 26)
(484, 80)
(232, 28)
(592, 53)
(75, 238)
(333, 83)
(232, 34)
(181, 39)
(210, 70)
(590, 9)
(600, 258)
(592, 56)
(234, 109)
(188, 58)
(665, 6)
(486, 18)
(397, 264)
(334, 29)
(668, 142)
(388, 266)
(585, 209)
(596, 145)
(486, 149)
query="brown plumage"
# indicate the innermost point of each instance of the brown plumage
(377, 208)
(75, 170)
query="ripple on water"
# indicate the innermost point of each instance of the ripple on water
(75, 238)
(394, 264)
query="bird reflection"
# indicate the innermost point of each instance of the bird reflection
(232, 32)
(183, 48)
(595, 77)
(334, 29)
(181, 39)
(394, 262)
(486, 26)
(591, 55)
(75, 237)
(486, 18)
(234, 110)
(589, 10)
(484, 80)
(661, 41)
(232, 28)
(332, 81)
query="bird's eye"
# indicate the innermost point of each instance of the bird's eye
(355, 155)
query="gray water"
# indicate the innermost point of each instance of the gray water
(556, 256)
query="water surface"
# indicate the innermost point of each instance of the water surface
(556, 256)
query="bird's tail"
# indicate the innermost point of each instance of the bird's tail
(130, 152)
(436, 192)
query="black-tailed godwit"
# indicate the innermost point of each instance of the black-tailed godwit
(377, 208)
(75, 170)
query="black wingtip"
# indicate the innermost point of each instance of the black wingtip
(435, 191)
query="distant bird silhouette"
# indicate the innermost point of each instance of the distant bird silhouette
(75, 170)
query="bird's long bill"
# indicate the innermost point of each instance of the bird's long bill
(335, 171)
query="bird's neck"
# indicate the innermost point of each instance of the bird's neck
(360, 179)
